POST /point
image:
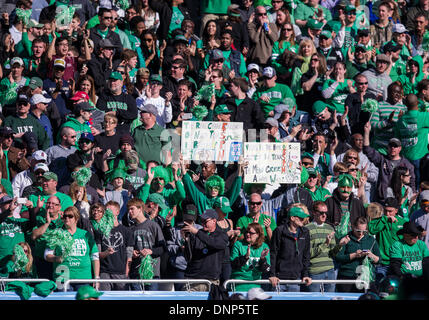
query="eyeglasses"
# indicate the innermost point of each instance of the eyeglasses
(69, 216)
(255, 203)
(353, 13)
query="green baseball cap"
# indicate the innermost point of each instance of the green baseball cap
(223, 203)
(86, 292)
(116, 76)
(50, 176)
(319, 106)
(312, 171)
(314, 24)
(222, 108)
(333, 25)
(35, 82)
(326, 34)
(297, 212)
(158, 199)
(350, 8)
(156, 78)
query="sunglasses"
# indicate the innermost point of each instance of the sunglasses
(353, 158)
(148, 39)
(85, 141)
(287, 29)
(353, 169)
(362, 83)
(69, 216)
(307, 163)
(314, 59)
(359, 231)
(255, 203)
(321, 212)
(248, 232)
(107, 18)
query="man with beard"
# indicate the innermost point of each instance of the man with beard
(114, 101)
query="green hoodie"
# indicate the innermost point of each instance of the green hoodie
(385, 233)
(406, 80)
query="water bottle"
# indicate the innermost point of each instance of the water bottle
(265, 27)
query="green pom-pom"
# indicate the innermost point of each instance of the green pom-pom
(369, 105)
(122, 4)
(200, 112)
(82, 176)
(106, 223)
(146, 267)
(59, 239)
(23, 15)
(206, 92)
(161, 172)
(21, 259)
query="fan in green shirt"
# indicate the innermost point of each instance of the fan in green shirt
(271, 93)
(318, 193)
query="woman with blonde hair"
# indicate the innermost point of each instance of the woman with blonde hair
(80, 200)
(306, 50)
(19, 264)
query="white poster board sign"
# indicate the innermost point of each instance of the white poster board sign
(272, 162)
(211, 141)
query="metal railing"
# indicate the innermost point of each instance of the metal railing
(4, 281)
(140, 281)
(363, 283)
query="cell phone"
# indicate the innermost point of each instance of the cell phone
(22, 200)
(187, 116)
(365, 251)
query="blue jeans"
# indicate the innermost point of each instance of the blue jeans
(416, 164)
(327, 287)
(289, 287)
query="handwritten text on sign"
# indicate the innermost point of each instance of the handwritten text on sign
(211, 141)
(272, 162)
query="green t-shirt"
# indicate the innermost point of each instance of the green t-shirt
(276, 94)
(215, 6)
(244, 221)
(250, 270)
(339, 96)
(40, 244)
(412, 256)
(412, 130)
(65, 200)
(78, 263)
(305, 12)
(12, 232)
(176, 20)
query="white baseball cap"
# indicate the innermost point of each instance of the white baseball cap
(399, 28)
(39, 98)
(253, 66)
(269, 72)
(39, 155)
(257, 294)
(41, 166)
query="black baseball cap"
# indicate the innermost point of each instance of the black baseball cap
(391, 203)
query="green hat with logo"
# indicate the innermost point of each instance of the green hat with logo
(222, 108)
(297, 212)
(116, 76)
(223, 203)
(333, 25)
(35, 82)
(314, 24)
(50, 176)
(312, 171)
(319, 106)
(326, 34)
(158, 199)
(155, 78)
(86, 292)
(350, 8)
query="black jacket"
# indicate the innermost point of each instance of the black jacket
(204, 253)
(290, 256)
(98, 69)
(249, 112)
(111, 35)
(333, 203)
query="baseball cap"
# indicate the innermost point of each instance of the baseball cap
(39, 155)
(257, 294)
(158, 199)
(209, 214)
(22, 98)
(391, 47)
(35, 82)
(363, 32)
(394, 142)
(360, 47)
(87, 136)
(318, 107)
(106, 43)
(312, 171)
(216, 55)
(297, 212)
(5, 199)
(116, 76)
(391, 203)
(59, 63)
(410, 228)
(399, 28)
(253, 66)
(155, 78)
(190, 212)
(84, 106)
(17, 60)
(314, 24)
(272, 122)
(6, 131)
(86, 292)
(79, 95)
(34, 24)
(143, 72)
(50, 176)
(149, 108)
(223, 203)
(41, 166)
(180, 38)
(382, 57)
(350, 8)
(39, 98)
(268, 72)
(220, 109)
(424, 196)
(325, 33)
(126, 139)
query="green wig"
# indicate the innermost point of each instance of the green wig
(161, 172)
(215, 181)
(345, 180)
(304, 175)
